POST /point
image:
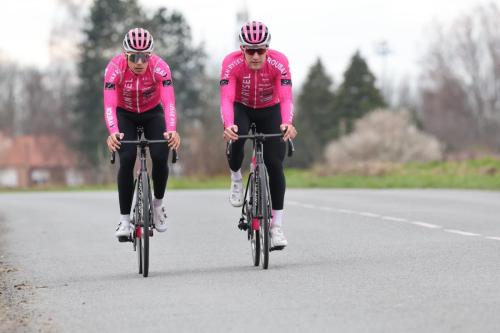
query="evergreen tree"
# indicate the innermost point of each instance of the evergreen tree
(356, 96)
(108, 22)
(174, 44)
(314, 116)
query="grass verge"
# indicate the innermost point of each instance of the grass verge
(481, 173)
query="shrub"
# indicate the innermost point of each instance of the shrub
(383, 136)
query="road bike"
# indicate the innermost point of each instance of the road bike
(142, 214)
(256, 213)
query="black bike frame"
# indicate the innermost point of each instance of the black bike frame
(258, 163)
(143, 181)
(257, 221)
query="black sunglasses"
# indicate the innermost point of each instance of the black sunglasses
(253, 51)
(136, 57)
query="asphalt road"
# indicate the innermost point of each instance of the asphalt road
(357, 261)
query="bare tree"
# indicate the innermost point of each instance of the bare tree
(66, 34)
(460, 86)
(8, 80)
(65, 38)
(204, 151)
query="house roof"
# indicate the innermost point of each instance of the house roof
(43, 151)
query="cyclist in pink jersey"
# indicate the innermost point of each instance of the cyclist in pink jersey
(138, 91)
(256, 87)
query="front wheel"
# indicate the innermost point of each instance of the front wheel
(138, 246)
(146, 222)
(138, 222)
(253, 232)
(265, 214)
(255, 242)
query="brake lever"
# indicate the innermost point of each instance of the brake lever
(112, 160)
(228, 148)
(291, 148)
(175, 156)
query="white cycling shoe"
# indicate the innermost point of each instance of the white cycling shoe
(278, 239)
(123, 230)
(160, 218)
(236, 193)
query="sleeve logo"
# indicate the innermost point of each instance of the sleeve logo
(286, 82)
(167, 83)
(162, 72)
(109, 85)
(224, 82)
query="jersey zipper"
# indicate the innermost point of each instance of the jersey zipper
(137, 94)
(255, 94)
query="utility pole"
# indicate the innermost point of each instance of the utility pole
(242, 17)
(383, 51)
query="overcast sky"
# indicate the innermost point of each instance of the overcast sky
(303, 30)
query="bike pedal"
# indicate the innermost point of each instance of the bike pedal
(242, 225)
(124, 239)
(277, 248)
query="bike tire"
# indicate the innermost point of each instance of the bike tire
(256, 247)
(146, 222)
(139, 249)
(137, 222)
(254, 234)
(255, 242)
(265, 217)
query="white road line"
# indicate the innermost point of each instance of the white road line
(494, 238)
(426, 225)
(460, 232)
(396, 219)
(347, 211)
(391, 218)
(367, 214)
(308, 206)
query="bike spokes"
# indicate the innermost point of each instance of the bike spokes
(146, 223)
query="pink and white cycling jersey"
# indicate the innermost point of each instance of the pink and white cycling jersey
(256, 89)
(138, 93)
